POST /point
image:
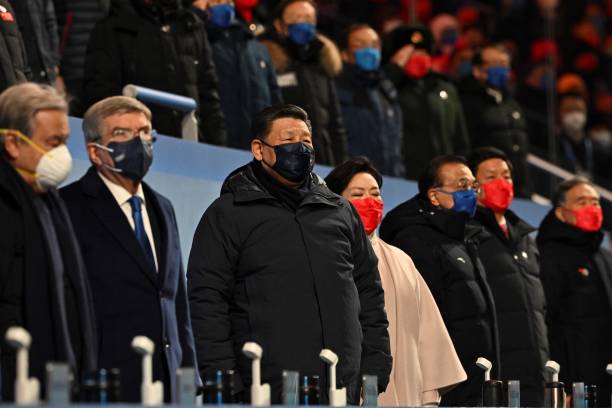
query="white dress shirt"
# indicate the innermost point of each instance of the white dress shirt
(123, 196)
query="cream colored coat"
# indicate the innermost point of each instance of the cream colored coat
(425, 364)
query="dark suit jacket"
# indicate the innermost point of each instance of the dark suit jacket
(130, 298)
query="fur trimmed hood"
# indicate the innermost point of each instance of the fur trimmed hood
(329, 55)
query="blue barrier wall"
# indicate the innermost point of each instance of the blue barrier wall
(190, 175)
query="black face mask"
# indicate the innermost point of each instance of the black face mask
(293, 160)
(132, 159)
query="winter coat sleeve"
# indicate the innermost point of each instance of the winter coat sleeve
(103, 71)
(212, 121)
(461, 137)
(52, 30)
(276, 95)
(336, 126)
(425, 260)
(376, 351)
(210, 277)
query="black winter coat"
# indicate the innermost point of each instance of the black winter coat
(577, 279)
(501, 124)
(169, 53)
(295, 282)
(443, 247)
(513, 273)
(38, 25)
(306, 78)
(13, 60)
(247, 81)
(433, 121)
(29, 294)
(374, 130)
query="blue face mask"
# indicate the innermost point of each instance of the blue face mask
(368, 59)
(497, 77)
(450, 36)
(301, 33)
(547, 81)
(293, 160)
(222, 15)
(463, 201)
(132, 159)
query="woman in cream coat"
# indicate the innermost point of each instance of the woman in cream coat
(425, 364)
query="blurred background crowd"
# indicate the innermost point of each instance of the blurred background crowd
(400, 81)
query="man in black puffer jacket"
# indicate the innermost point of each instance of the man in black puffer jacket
(493, 116)
(510, 258)
(280, 260)
(13, 61)
(434, 228)
(577, 279)
(306, 64)
(158, 44)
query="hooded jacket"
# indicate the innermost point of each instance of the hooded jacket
(164, 48)
(513, 273)
(306, 78)
(577, 279)
(295, 282)
(443, 246)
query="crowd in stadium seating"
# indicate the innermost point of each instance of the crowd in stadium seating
(400, 81)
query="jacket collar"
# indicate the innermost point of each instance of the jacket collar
(517, 227)
(554, 230)
(245, 187)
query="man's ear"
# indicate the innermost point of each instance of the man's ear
(559, 214)
(257, 149)
(11, 146)
(92, 152)
(278, 26)
(433, 199)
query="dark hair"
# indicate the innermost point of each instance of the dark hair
(430, 178)
(481, 154)
(341, 176)
(561, 191)
(477, 58)
(262, 122)
(343, 42)
(280, 8)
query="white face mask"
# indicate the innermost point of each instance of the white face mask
(574, 121)
(602, 137)
(53, 167)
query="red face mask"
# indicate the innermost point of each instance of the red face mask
(498, 194)
(418, 65)
(589, 218)
(371, 211)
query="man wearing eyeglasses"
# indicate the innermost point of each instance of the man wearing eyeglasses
(436, 230)
(130, 244)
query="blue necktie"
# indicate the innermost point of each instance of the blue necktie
(139, 230)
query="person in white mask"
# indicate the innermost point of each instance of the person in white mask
(43, 285)
(577, 152)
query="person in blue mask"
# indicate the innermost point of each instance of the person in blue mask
(306, 64)
(281, 260)
(493, 116)
(247, 81)
(436, 230)
(369, 99)
(130, 245)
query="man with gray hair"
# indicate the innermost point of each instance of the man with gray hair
(43, 284)
(130, 244)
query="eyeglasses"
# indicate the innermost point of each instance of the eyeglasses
(128, 134)
(465, 184)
